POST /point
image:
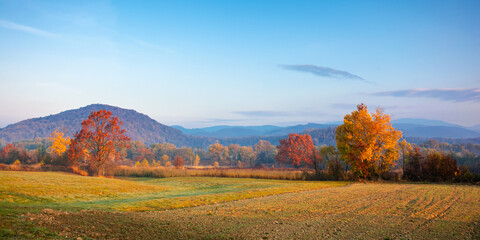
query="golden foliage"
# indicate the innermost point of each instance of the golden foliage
(368, 142)
(60, 143)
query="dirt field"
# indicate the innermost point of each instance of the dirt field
(355, 211)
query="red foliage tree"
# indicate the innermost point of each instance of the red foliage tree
(297, 150)
(178, 162)
(99, 142)
(7, 149)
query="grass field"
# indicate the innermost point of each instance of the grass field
(58, 205)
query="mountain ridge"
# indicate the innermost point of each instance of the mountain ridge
(141, 127)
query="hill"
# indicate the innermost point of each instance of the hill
(138, 126)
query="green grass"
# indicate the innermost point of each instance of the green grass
(72, 192)
(59, 205)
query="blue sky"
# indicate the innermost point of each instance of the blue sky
(204, 63)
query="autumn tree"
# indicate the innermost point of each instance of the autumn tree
(413, 165)
(332, 158)
(218, 153)
(60, 143)
(248, 155)
(10, 153)
(99, 141)
(265, 152)
(6, 153)
(405, 148)
(367, 142)
(233, 153)
(59, 147)
(196, 161)
(178, 162)
(297, 150)
(164, 159)
(145, 163)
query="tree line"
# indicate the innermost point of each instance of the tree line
(367, 146)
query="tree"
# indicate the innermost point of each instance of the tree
(178, 162)
(145, 163)
(99, 141)
(218, 153)
(367, 142)
(59, 143)
(59, 147)
(265, 152)
(297, 150)
(332, 157)
(164, 159)
(7, 151)
(413, 167)
(197, 160)
(248, 155)
(405, 149)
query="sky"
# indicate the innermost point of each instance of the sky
(206, 63)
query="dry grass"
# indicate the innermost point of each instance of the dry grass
(51, 205)
(70, 192)
(162, 172)
(359, 211)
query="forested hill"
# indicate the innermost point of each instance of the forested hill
(138, 126)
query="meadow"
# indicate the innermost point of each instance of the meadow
(62, 205)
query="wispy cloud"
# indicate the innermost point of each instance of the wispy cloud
(27, 29)
(343, 106)
(153, 46)
(447, 94)
(262, 113)
(324, 72)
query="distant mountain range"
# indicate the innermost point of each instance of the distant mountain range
(420, 128)
(140, 127)
(224, 131)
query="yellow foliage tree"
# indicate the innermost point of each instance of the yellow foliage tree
(367, 142)
(145, 163)
(168, 164)
(60, 143)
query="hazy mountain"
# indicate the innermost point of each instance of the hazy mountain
(411, 127)
(138, 126)
(475, 128)
(224, 131)
(423, 122)
(142, 128)
(413, 130)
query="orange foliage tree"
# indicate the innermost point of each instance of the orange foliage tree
(297, 150)
(367, 142)
(99, 142)
(218, 153)
(178, 162)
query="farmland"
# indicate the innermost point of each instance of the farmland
(58, 205)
